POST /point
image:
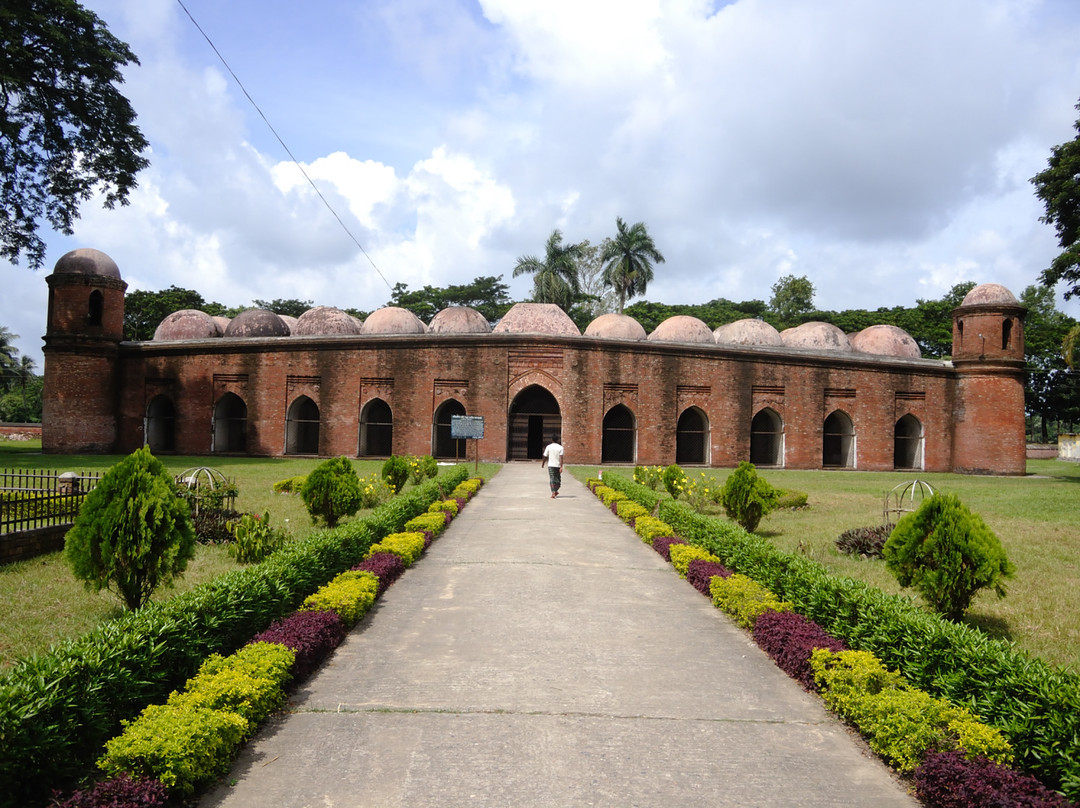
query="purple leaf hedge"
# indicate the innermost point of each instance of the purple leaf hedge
(789, 638)
(949, 780)
(117, 792)
(662, 545)
(387, 566)
(312, 635)
(700, 572)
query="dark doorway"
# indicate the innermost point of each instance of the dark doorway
(442, 445)
(161, 425)
(230, 424)
(767, 439)
(692, 438)
(376, 429)
(838, 441)
(908, 443)
(534, 418)
(302, 427)
(619, 440)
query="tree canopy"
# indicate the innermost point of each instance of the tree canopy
(487, 294)
(1058, 186)
(628, 260)
(66, 132)
(144, 310)
(791, 297)
(555, 276)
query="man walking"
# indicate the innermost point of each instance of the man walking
(553, 456)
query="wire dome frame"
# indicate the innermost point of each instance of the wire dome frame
(203, 482)
(905, 498)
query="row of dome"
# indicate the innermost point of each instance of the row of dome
(534, 318)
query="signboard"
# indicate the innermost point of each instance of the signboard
(467, 426)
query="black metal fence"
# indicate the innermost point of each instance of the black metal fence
(35, 499)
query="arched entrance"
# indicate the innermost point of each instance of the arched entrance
(376, 429)
(838, 441)
(230, 424)
(619, 440)
(160, 425)
(442, 445)
(534, 417)
(908, 443)
(767, 439)
(692, 437)
(302, 427)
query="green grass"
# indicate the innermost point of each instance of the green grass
(46, 604)
(1036, 517)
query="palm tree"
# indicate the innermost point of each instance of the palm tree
(8, 362)
(24, 370)
(555, 278)
(628, 260)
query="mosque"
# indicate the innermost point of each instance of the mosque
(326, 384)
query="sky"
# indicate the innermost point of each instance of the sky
(882, 149)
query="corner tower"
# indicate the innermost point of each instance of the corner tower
(988, 354)
(82, 339)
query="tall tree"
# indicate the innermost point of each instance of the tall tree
(66, 132)
(1058, 186)
(555, 277)
(1050, 389)
(791, 298)
(628, 260)
(8, 357)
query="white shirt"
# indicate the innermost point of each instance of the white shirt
(554, 453)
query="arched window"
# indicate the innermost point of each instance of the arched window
(767, 439)
(619, 438)
(534, 417)
(908, 443)
(838, 441)
(442, 444)
(376, 429)
(302, 427)
(1006, 334)
(230, 424)
(96, 310)
(160, 425)
(692, 437)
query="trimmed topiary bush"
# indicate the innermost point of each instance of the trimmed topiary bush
(409, 546)
(133, 532)
(350, 595)
(746, 497)
(435, 523)
(948, 554)
(396, 472)
(649, 527)
(744, 599)
(682, 554)
(332, 491)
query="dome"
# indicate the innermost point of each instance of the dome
(818, 336)
(87, 261)
(751, 331)
(289, 320)
(682, 328)
(615, 326)
(886, 340)
(257, 323)
(223, 322)
(393, 320)
(187, 324)
(537, 318)
(990, 294)
(459, 320)
(325, 320)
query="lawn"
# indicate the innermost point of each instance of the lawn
(51, 605)
(1036, 517)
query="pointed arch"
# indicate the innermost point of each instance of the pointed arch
(230, 424)
(376, 429)
(767, 438)
(442, 444)
(302, 427)
(619, 437)
(692, 437)
(908, 443)
(160, 424)
(838, 441)
(533, 418)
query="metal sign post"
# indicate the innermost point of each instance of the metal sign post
(468, 427)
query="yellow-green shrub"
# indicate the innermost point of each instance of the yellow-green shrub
(290, 485)
(649, 527)
(349, 595)
(449, 506)
(249, 683)
(183, 746)
(435, 522)
(900, 723)
(628, 510)
(408, 546)
(744, 599)
(683, 554)
(466, 488)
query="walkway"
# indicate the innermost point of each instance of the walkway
(541, 655)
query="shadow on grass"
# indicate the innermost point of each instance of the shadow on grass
(995, 627)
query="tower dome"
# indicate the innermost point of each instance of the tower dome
(87, 261)
(990, 294)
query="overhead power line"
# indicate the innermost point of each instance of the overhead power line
(288, 151)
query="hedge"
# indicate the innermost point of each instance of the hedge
(58, 709)
(1036, 706)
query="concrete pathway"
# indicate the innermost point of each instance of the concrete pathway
(540, 654)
